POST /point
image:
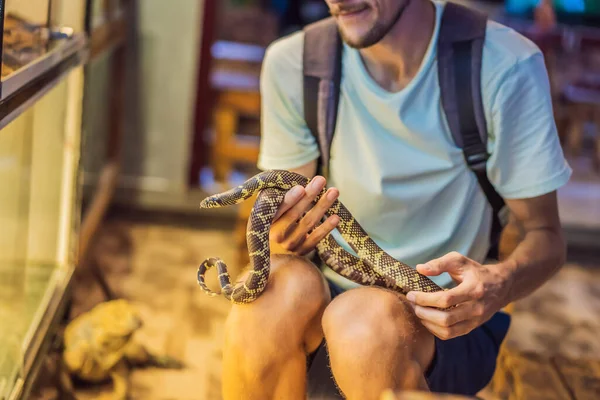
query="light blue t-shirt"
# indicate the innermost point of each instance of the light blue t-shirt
(393, 157)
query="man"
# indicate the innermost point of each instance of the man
(395, 166)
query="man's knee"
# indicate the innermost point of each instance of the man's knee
(296, 282)
(375, 321)
(293, 301)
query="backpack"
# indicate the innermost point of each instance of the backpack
(459, 55)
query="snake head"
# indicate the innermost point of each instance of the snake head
(210, 202)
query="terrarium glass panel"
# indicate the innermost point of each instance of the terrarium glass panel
(39, 208)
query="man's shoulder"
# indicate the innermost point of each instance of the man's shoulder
(281, 75)
(284, 54)
(503, 42)
(504, 51)
(507, 55)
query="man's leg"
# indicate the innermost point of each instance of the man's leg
(267, 341)
(375, 342)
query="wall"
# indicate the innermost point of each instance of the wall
(158, 136)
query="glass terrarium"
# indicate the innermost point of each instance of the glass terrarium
(43, 49)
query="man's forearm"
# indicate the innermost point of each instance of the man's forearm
(536, 259)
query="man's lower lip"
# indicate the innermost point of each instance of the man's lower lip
(353, 13)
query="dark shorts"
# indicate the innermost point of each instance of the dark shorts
(463, 365)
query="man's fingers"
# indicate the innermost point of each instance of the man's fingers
(448, 318)
(297, 220)
(451, 332)
(319, 233)
(303, 204)
(316, 213)
(294, 244)
(309, 217)
(450, 262)
(291, 199)
(442, 299)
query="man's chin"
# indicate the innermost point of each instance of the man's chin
(362, 36)
(358, 41)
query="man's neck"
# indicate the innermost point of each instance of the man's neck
(395, 60)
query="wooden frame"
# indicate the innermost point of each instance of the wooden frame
(204, 95)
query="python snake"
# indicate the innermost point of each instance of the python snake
(373, 266)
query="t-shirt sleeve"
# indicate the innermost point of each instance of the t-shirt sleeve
(286, 141)
(526, 156)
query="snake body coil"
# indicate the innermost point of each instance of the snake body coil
(373, 266)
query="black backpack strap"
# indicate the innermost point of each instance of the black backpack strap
(460, 51)
(322, 70)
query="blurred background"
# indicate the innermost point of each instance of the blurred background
(118, 116)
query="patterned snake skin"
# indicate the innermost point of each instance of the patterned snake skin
(373, 266)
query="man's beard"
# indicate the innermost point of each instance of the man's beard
(377, 32)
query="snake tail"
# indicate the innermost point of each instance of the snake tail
(257, 236)
(224, 279)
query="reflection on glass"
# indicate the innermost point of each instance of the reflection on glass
(23, 42)
(28, 34)
(25, 35)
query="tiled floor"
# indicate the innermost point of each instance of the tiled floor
(158, 271)
(155, 266)
(553, 348)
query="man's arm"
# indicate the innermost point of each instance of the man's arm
(526, 166)
(287, 143)
(542, 251)
(482, 290)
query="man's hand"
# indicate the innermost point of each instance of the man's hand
(481, 291)
(295, 228)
